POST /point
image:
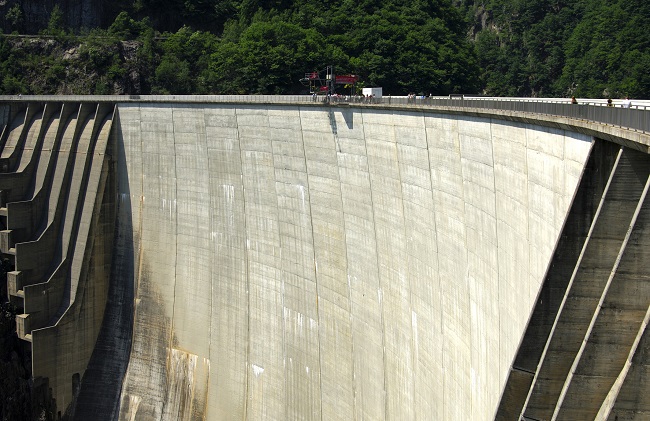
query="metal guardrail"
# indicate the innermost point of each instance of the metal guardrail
(636, 117)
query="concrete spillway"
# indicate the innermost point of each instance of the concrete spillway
(317, 262)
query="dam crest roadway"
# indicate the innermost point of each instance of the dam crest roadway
(281, 257)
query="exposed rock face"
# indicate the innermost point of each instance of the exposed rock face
(130, 84)
(77, 72)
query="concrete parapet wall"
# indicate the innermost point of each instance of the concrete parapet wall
(333, 263)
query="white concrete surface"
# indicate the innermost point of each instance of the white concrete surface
(297, 262)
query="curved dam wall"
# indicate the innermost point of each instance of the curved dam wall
(312, 262)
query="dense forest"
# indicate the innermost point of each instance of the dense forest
(546, 48)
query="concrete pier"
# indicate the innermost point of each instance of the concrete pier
(306, 261)
(58, 214)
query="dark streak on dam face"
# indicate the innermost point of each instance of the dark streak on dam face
(325, 262)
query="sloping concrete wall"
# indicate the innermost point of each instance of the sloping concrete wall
(57, 203)
(296, 262)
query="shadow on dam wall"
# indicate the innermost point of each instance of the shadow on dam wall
(101, 385)
(314, 262)
(57, 214)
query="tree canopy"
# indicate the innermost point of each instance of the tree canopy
(549, 48)
(586, 48)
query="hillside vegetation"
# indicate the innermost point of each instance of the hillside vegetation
(549, 48)
(587, 48)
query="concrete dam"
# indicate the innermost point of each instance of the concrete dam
(245, 258)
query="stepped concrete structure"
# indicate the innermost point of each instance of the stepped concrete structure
(185, 258)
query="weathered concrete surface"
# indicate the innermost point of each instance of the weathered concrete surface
(291, 261)
(58, 215)
(567, 252)
(297, 262)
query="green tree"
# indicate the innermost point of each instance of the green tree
(189, 50)
(411, 46)
(269, 58)
(124, 27)
(173, 76)
(608, 51)
(12, 85)
(15, 17)
(56, 24)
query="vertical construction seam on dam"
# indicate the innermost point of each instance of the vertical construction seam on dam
(301, 262)
(350, 264)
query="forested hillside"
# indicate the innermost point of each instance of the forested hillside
(587, 48)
